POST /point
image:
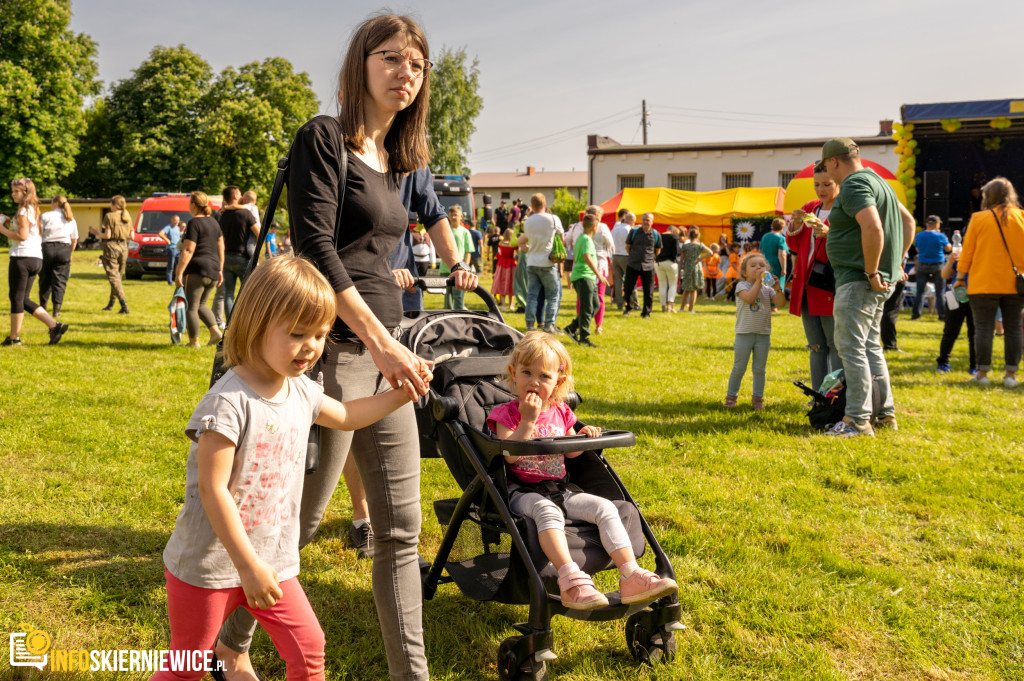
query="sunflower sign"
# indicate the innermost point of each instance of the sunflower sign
(751, 229)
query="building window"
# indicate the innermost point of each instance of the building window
(734, 180)
(506, 195)
(631, 182)
(686, 182)
(786, 176)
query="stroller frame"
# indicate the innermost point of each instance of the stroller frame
(650, 627)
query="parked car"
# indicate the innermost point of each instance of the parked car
(147, 252)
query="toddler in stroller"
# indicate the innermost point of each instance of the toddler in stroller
(489, 551)
(540, 375)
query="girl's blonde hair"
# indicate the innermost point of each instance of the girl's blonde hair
(746, 259)
(201, 201)
(118, 203)
(536, 345)
(285, 288)
(508, 234)
(61, 202)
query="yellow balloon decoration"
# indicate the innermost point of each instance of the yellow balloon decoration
(906, 149)
(999, 123)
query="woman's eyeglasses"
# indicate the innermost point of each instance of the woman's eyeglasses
(394, 60)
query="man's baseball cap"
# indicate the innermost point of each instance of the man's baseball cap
(933, 219)
(837, 146)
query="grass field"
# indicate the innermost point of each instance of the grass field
(798, 556)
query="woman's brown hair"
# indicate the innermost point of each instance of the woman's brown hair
(406, 141)
(61, 202)
(29, 197)
(999, 192)
(118, 203)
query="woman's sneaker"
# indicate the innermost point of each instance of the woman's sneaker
(11, 341)
(850, 429)
(56, 333)
(579, 593)
(643, 586)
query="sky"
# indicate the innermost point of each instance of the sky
(553, 72)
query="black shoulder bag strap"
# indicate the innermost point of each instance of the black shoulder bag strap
(1018, 278)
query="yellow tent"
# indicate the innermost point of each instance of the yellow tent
(712, 209)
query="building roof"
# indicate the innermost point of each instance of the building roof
(990, 108)
(598, 145)
(573, 178)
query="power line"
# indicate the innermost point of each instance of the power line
(603, 119)
(547, 140)
(821, 124)
(749, 113)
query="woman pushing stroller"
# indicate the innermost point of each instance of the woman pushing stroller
(540, 375)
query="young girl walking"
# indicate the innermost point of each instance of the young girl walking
(540, 375)
(236, 540)
(505, 272)
(755, 293)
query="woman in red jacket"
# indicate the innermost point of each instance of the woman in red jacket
(813, 285)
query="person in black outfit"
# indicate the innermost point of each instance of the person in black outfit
(200, 267)
(643, 246)
(240, 230)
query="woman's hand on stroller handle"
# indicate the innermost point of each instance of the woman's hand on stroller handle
(404, 370)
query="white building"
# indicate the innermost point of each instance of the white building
(511, 186)
(714, 166)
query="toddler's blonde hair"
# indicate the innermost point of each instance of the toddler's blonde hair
(285, 288)
(746, 260)
(536, 345)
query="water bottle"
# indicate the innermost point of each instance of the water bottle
(957, 241)
(767, 278)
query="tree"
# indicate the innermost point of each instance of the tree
(454, 105)
(46, 71)
(250, 117)
(173, 119)
(567, 207)
(148, 125)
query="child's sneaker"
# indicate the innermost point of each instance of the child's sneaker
(730, 401)
(757, 403)
(643, 586)
(579, 593)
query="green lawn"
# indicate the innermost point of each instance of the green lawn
(798, 556)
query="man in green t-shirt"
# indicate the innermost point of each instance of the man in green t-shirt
(585, 276)
(869, 234)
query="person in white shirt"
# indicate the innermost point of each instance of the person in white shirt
(620, 258)
(60, 237)
(542, 228)
(26, 259)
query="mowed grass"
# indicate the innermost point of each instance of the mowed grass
(798, 556)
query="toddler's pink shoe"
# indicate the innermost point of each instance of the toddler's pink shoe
(643, 586)
(579, 593)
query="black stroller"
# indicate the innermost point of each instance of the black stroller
(487, 551)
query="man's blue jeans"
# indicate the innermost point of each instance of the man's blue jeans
(234, 273)
(857, 312)
(548, 279)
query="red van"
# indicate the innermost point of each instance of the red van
(147, 252)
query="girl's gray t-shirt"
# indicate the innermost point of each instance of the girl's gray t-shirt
(754, 317)
(266, 480)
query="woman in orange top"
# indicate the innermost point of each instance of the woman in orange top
(992, 259)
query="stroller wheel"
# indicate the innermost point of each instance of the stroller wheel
(647, 642)
(512, 668)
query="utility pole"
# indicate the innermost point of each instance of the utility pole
(643, 118)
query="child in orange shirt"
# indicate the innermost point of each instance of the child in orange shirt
(712, 272)
(733, 273)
